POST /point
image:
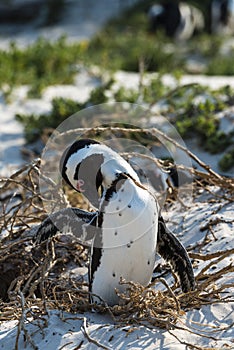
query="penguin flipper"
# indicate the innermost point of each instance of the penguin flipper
(172, 250)
(69, 220)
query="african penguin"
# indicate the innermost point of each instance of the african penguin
(222, 16)
(127, 220)
(127, 228)
(178, 19)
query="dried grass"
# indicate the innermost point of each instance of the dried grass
(32, 278)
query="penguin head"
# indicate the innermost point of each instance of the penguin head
(88, 166)
(80, 168)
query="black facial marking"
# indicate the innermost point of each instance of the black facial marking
(76, 146)
(88, 170)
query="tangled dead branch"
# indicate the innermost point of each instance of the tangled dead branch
(154, 134)
(34, 279)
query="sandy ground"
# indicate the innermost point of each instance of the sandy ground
(210, 326)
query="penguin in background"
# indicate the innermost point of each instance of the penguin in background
(178, 20)
(222, 16)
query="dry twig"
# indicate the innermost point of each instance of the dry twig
(39, 276)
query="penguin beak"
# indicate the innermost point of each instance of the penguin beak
(93, 198)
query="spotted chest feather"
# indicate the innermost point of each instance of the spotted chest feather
(127, 238)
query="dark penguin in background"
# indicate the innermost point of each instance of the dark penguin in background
(222, 16)
(126, 230)
(178, 20)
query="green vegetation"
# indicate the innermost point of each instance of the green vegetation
(125, 50)
(194, 115)
(227, 161)
(123, 43)
(192, 109)
(35, 124)
(126, 43)
(221, 64)
(40, 65)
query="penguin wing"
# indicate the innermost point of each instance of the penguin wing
(172, 250)
(80, 223)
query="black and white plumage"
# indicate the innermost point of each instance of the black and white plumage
(126, 229)
(81, 223)
(178, 19)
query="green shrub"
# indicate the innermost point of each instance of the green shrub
(217, 142)
(191, 118)
(41, 64)
(155, 90)
(62, 108)
(198, 119)
(221, 64)
(35, 124)
(98, 95)
(126, 95)
(125, 50)
(227, 161)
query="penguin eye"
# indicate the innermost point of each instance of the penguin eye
(79, 185)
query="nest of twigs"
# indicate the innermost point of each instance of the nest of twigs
(34, 279)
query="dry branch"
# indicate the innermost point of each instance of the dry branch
(39, 276)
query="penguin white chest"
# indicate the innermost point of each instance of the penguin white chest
(128, 239)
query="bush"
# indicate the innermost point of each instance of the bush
(98, 95)
(35, 124)
(124, 51)
(217, 142)
(191, 117)
(227, 161)
(221, 64)
(41, 64)
(62, 108)
(126, 95)
(198, 119)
